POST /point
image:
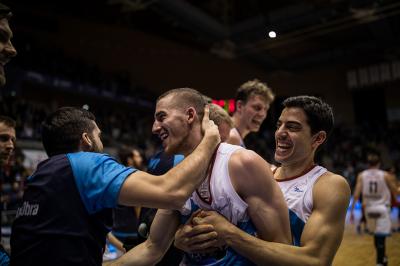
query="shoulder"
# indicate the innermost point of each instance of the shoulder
(331, 188)
(331, 181)
(244, 159)
(389, 177)
(234, 137)
(83, 157)
(248, 170)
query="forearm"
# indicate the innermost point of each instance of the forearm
(115, 242)
(269, 253)
(353, 203)
(143, 254)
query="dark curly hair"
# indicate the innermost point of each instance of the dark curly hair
(319, 113)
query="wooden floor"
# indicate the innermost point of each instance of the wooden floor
(358, 249)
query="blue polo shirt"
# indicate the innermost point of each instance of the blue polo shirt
(66, 210)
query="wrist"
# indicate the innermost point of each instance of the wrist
(228, 234)
(211, 139)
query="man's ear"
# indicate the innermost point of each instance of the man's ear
(239, 106)
(191, 114)
(86, 142)
(318, 139)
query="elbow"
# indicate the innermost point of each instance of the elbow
(178, 199)
(175, 194)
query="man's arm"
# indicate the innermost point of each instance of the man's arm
(115, 242)
(160, 238)
(356, 196)
(391, 183)
(170, 190)
(320, 239)
(253, 181)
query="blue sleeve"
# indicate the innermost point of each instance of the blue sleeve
(98, 178)
(178, 158)
(154, 161)
(161, 163)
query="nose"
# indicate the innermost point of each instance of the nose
(263, 113)
(156, 127)
(9, 145)
(10, 50)
(280, 132)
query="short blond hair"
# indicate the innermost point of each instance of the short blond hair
(219, 115)
(254, 87)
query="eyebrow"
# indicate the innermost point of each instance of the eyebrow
(159, 113)
(2, 135)
(294, 123)
(8, 33)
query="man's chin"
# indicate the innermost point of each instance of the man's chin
(255, 129)
(169, 150)
(278, 158)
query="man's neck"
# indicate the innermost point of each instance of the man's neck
(191, 142)
(240, 127)
(293, 170)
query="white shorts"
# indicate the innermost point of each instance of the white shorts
(381, 214)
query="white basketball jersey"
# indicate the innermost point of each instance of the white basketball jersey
(374, 188)
(299, 198)
(217, 193)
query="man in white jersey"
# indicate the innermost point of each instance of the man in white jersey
(317, 199)
(376, 187)
(253, 99)
(239, 185)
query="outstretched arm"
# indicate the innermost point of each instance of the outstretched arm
(171, 190)
(153, 249)
(320, 239)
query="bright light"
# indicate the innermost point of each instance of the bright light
(85, 106)
(272, 34)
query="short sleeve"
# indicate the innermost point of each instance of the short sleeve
(98, 178)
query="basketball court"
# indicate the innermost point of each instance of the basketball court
(358, 249)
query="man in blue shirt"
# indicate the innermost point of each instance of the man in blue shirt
(7, 51)
(66, 210)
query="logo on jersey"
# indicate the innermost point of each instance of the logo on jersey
(204, 192)
(297, 189)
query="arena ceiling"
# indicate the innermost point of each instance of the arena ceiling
(309, 33)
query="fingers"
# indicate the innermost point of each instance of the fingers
(202, 229)
(190, 231)
(197, 242)
(205, 250)
(203, 213)
(204, 247)
(206, 117)
(208, 124)
(198, 221)
(194, 214)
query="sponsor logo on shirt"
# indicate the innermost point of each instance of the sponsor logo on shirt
(28, 209)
